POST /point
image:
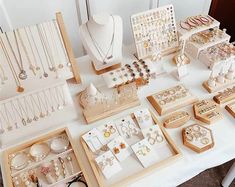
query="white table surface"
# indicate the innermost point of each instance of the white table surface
(191, 163)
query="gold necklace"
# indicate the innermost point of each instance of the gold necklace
(22, 75)
(17, 81)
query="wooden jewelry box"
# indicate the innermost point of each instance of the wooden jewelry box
(132, 169)
(49, 160)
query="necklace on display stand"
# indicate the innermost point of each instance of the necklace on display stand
(104, 56)
(6, 117)
(13, 71)
(45, 74)
(22, 75)
(3, 76)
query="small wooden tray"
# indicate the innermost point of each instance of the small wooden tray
(179, 121)
(24, 146)
(225, 96)
(137, 174)
(172, 106)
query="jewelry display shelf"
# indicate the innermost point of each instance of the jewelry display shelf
(25, 115)
(206, 141)
(194, 49)
(185, 34)
(36, 56)
(231, 108)
(218, 86)
(149, 34)
(171, 99)
(207, 111)
(71, 151)
(135, 170)
(225, 96)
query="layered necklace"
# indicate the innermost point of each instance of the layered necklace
(104, 56)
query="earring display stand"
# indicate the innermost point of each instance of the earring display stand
(27, 114)
(207, 111)
(36, 56)
(149, 34)
(171, 99)
(111, 103)
(200, 143)
(225, 96)
(135, 171)
(68, 162)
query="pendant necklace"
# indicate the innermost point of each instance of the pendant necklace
(3, 76)
(35, 118)
(16, 78)
(45, 74)
(60, 66)
(31, 66)
(104, 56)
(22, 75)
(61, 94)
(23, 113)
(6, 117)
(14, 117)
(1, 127)
(61, 43)
(56, 96)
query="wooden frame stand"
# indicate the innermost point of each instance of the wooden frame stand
(126, 179)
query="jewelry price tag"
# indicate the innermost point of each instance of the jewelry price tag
(120, 148)
(143, 118)
(145, 153)
(154, 135)
(128, 129)
(108, 164)
(109, 131)
(94, 139)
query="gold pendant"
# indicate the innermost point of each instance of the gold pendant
(20, 89)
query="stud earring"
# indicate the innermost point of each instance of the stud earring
(122, 145)
(116, 150)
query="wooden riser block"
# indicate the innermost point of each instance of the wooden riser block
(229, 108)
(221, 100)
(177, 123)
(218, 87)
(110, 68)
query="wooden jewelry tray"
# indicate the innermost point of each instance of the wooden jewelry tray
(71, 151)
(172, 106)
(134, 171)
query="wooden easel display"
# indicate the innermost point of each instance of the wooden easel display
(36, 56)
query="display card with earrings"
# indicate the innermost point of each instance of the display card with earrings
(23, 115)
(144, 118)
(141, 149)
(35, 56)
(155, 31)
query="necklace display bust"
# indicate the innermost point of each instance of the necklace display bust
(102, 38)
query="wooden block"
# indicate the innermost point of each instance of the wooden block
(194, 144)
(207, 111)
(68, 47)
(231, 109)
(176, 119)
(110, 68)
(225, 96)
(218, 86)
(134, 176)
(173, 103)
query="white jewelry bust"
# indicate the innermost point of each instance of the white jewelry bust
(102, 38)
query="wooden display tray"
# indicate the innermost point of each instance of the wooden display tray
(219, 86)
(25, 145)
(229, 108)
(225, 96)
(195, 148)
(203, 117)
(178, 105)
(128, 179)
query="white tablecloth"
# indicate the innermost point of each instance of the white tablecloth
(191, 163)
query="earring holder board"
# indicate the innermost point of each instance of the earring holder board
(41, 53)
(44, 104)
(149, 34)
(78, 168)
(134, 171)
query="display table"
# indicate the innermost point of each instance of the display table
(191, 163)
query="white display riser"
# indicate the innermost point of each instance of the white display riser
(194, 49)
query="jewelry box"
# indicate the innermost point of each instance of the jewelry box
(36, 56)
(49, 160)
(155, 31)
(171, 99)
(147, 148)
